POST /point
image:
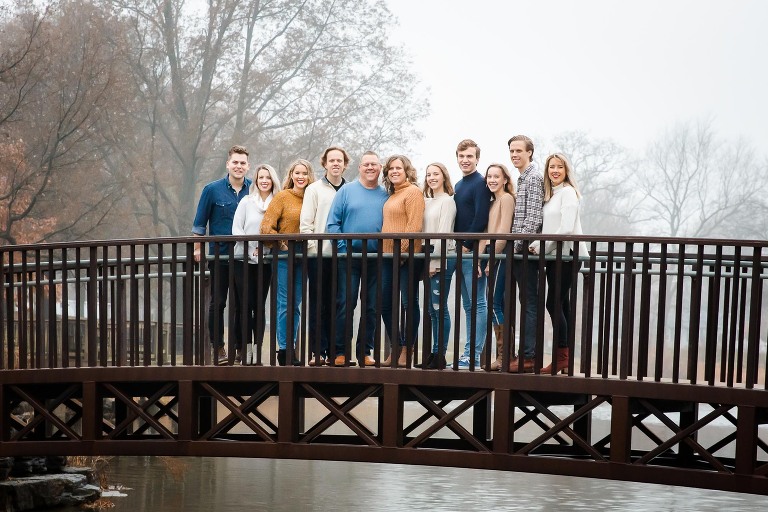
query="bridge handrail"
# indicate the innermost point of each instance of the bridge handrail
(704, 304)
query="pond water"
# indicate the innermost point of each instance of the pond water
(189, 484)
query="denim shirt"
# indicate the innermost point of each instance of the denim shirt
(216, 210)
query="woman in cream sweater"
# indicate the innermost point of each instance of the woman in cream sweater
(439, 217)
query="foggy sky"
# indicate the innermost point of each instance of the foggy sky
(625, 70)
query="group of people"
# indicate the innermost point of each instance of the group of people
(387, 199)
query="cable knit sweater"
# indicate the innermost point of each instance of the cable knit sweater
(403, 213)
(439, 217)
(283, 214)
(561, 217)
(500, 219)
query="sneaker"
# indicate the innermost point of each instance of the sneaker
(317, 362)
(463, 364)
(220, 354)
(238, 356)
(249, 359)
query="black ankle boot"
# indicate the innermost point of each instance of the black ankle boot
(281, 357)
(437, 362)
(427, 362)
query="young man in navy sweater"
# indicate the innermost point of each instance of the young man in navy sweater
(473, 202)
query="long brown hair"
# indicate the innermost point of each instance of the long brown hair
(447, 186)
(508, 185)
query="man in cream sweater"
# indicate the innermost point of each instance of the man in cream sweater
(314, 216)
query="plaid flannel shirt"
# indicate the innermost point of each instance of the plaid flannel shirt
(529, 205)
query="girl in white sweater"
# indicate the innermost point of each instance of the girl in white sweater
(561, 217)
(439, 216)
(247, 221)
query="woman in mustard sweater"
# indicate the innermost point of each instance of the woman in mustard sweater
(281, 217)
(403, 213)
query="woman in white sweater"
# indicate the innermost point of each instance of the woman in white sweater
(247, 221)
(439, 216)
(561, 217)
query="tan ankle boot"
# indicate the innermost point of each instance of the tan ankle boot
(498, 330)
(388, 360)
(403, 360)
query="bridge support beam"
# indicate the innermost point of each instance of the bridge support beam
(621, 429)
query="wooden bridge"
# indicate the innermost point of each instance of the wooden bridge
(105, 351)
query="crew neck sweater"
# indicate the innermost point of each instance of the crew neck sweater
(500, 218)
(439, 217)
(357, 209)
(473, 202)
(403, 213)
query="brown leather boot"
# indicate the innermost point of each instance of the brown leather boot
(498, 330)
(562, 356)
(388, 360)
(403, 359)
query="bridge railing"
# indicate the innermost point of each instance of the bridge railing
(683, 310)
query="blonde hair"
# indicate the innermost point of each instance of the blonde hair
(288, 183)
(276, 187)
(569, 178)
(508, 185)
(410, 172)
(447, 186)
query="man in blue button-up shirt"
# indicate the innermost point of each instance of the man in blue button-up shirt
(215, 212)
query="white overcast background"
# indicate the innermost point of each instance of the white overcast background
(625, 70)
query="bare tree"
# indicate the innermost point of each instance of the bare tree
(693, 184)
(65, 82)
(597, 164)
(284, 77)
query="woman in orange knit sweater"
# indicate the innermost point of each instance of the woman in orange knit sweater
(282, 216)
(403, 213)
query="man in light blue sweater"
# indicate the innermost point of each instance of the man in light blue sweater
(357, 208)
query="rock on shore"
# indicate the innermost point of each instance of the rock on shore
(71, 487)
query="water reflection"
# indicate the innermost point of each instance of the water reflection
(231, 484)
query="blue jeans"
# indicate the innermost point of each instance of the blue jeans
(409, 303)
(437, 301)
(480, 322)
(531, 294)
(345, 309)
(498, 292)
(282, 299)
